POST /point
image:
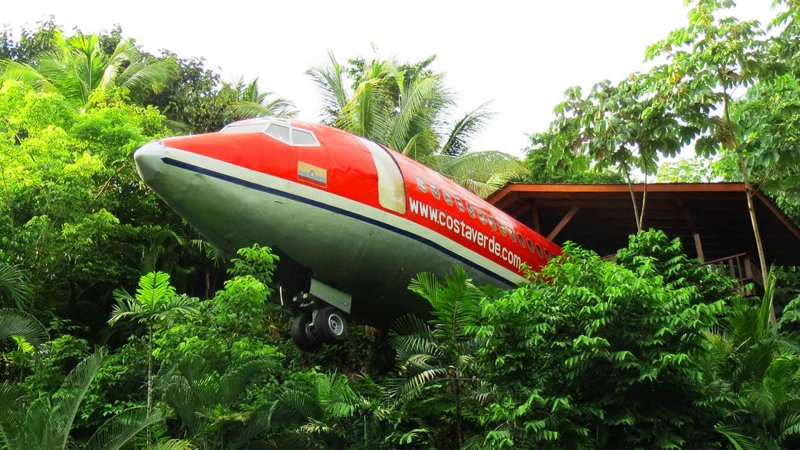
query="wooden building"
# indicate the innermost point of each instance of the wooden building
(711, 219)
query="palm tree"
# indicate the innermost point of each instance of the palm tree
(14, 283)
(206, 400)
(403, 106)
(324, 416)
(77, 66)
(156, 305)
(251, 102)
(435, 357)
(45, 422)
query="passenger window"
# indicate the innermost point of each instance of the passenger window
(435, 191)
(460, 204)
(547, 254)
(482, 217)
(471, 210)
(539, 250)
(502, 229)
(530, 246)
(447, 198)
(302, 138)
(521, 240)
(391, 185)
(279, 132)
(492, 223)
(513, 236)
(421, 185)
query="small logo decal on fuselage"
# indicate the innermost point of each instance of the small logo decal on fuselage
(312, 174)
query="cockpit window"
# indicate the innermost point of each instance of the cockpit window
(242, 127)
(277, 128)
(303, 138)
(279, 132)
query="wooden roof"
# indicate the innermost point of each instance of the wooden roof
(600, 217)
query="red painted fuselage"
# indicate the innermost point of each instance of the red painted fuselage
(357, 216)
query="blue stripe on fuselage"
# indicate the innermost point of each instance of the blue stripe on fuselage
(308, 201)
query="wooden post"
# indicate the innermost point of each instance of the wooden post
(536, 226)
(698, 243)
(698, 246)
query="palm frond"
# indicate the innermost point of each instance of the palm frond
(481, 172)
(172, 308)
(154, 287)
(236, 379)
(329, 78)
(17, 71)
(14, 322)
(173, 444)
(417, 110)
(336, 397)
(463, 131)
(278, 107)
(738, 440)
(126, 307)
(368, 113)
(143, 77)
(117, 431)
(11, 398)
(71, 394)
(14, 281)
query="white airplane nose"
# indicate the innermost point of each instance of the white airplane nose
(148, 159)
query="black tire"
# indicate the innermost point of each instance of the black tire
(303, 336)
(330, 325)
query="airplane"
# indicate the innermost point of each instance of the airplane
(351, 220)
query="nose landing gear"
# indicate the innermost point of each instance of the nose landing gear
(321, 318)
(322, 325)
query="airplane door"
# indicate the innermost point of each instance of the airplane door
(391, 185)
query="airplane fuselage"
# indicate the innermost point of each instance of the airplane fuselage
(358, 217)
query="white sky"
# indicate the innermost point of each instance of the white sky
(520, 55)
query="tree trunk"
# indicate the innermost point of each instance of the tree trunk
(644, 204)
(635, 205)
(762, 259)
(458, 412)
(149, 378)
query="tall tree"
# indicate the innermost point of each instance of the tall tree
(709, 63)
(626, 127)
(78, 66)
(406, 107)
(435, 357)
(155, 305)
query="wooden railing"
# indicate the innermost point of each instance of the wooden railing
(739, 267)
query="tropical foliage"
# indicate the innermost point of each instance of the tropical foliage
(120, 327)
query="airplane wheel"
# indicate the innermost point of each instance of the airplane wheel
(303, 335)
(330, 325)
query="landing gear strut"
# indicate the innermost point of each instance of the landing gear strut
(320, 315)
